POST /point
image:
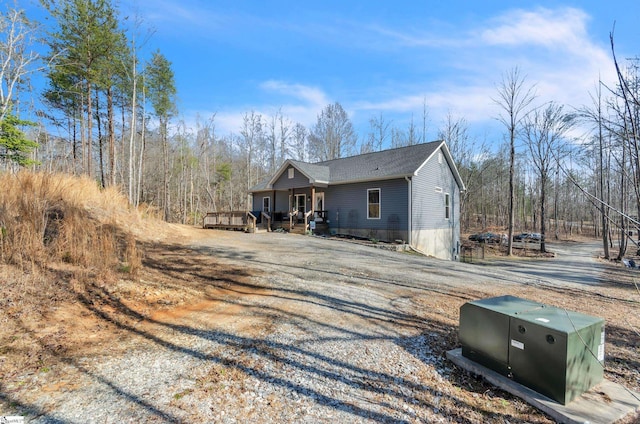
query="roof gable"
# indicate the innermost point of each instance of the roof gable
(316, 174)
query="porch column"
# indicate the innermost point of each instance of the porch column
(291, 200)
(273, 205)
(313, 200)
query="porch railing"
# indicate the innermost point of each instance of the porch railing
(306, 221)
(266, 218)
(252, 221)
(230, 220)
(322, 215)
(292, 215)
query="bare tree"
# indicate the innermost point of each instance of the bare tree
(412, 133)
(514, 98)
(425, 120)
(271, 142)
(332, 136)
(277, 138)
(299, 141)
(251, 143)
(544, 131)
(470, 159)
(398, 138)
(17, 59)
(284, 136)
(378, 134)
(595, 115)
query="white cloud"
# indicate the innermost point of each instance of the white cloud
(404, 38)
(551, 47)
(472, 103)
(298, 102)
(180, 17)
(312, 96)
(557, 28)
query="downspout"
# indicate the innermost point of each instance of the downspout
(410, 221)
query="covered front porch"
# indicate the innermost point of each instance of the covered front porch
(299, 210)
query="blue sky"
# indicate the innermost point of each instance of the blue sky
(387, 58)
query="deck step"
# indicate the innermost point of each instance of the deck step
(298, 229)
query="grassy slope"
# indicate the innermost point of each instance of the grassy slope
(60, 236)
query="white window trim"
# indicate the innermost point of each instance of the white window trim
(291, 173)
(447, 207)
(268, 206)
(379, 203)
(304, 201)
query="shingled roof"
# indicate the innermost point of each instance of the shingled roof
(392, 163)
(387, 164)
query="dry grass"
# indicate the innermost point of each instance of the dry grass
(77, 263)
(45, 217)
(59, 236)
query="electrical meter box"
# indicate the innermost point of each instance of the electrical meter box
(557, 353)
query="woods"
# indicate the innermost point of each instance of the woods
(110, 110)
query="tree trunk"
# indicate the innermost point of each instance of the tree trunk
(112, 138)
(100, 143)
(89, 170)
(603, 210)
(623, 221)
(165, 162)
(543, 203)
(142, 146)
(512, 160)
(132, 131)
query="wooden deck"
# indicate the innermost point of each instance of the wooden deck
(234, 220)
(247, 221)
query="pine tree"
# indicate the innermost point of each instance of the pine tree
(83, 51)
(14, 145)
(162, 91)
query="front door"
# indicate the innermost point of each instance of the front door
(299, 203)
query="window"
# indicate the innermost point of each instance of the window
(373, 203)
(266, 204)
(447, 206)
(291, 173)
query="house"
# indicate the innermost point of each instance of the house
(409, 193)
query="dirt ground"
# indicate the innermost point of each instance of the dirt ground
(284, 293)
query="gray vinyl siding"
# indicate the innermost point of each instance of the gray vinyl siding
(257, 200)
(428, 202)
(298, 180)
(281, 203)
(347, 206)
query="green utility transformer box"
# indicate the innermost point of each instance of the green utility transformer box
(555, 352)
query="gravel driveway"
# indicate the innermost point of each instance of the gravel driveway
(327, 331)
